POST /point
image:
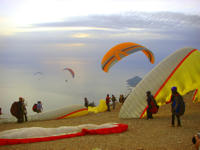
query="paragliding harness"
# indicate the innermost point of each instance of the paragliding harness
(154, 106)
(181, 107)
(34, 108)
(14, 109)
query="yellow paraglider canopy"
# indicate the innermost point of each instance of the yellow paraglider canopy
(119, 51)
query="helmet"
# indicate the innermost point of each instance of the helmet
(174, 88)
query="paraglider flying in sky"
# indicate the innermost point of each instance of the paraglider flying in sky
(119, 51)
(38, 75)
(71, 72)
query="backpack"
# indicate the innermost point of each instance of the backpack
(34, 108)
(182, 107)
(154, 106)
(14, 109)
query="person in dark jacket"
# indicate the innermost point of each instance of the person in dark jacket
(149, 103)
(86, 102)
(20, 110)
(108, 102)
(177, 106)
(113, 101)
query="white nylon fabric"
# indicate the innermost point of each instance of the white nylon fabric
(49, 115)
(35, 132)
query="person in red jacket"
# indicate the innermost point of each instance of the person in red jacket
(108, 102)
(152, 105)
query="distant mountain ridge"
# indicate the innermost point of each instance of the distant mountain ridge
(132, 82)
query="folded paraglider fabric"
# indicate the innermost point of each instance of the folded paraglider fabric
(38, 134)
(100, 108)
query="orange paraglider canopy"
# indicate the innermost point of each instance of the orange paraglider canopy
(119, 51)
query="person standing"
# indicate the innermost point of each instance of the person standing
(20, 110)
(108, 102)
(86, 102)
(24, 110)
(121, 99)
(113, 101)
(177, 106)
(149, 106)
(152, 105)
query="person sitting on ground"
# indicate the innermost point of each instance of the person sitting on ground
(86, 102)
(196, 141)
(113, 101)
(39, 107)
(108, 102)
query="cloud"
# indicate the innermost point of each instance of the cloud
(139, 25)
(131, 20)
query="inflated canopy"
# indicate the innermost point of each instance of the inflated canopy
(119, 51)
(180, 69)
(71, 71)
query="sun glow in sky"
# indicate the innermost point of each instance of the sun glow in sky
(25, 13)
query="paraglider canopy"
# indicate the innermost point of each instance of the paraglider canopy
(71, 71)
(38, 75)
(119, 51)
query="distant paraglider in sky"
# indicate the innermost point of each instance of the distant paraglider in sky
(71, 72)
(38, 75)
(121, 50)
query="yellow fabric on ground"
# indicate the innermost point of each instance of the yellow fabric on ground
(100, 108)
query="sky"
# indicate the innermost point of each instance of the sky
(48, 35)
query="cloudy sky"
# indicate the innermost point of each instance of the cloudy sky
(48, 35)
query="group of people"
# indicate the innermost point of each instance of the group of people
(109, 99)
(177, 109)
(177, 106)
(18, 109)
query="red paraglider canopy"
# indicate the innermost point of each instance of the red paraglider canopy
(113, 128)
(71, 71)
